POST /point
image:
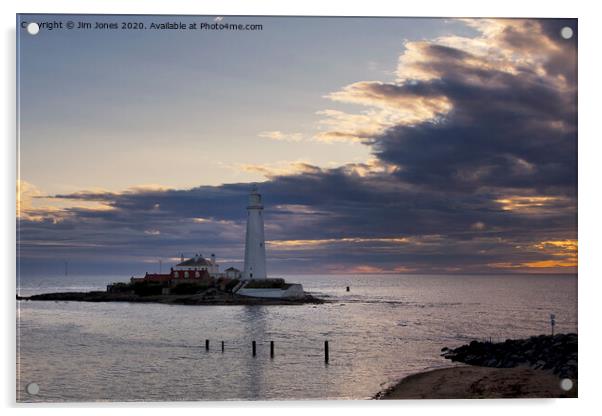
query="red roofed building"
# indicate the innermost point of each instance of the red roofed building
(196, 269)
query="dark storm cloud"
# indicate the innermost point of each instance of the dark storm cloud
(514, 129)
(563, 60)
(479, 178)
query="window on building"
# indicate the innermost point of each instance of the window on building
(185, 275)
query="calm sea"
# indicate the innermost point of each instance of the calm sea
(385, 328)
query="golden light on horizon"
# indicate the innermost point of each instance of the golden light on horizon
(367, 269)
(566, 250)
(550, 263)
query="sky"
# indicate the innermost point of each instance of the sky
(380, 145)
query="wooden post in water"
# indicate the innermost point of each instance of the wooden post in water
(271, 349)
(207, 345)
(222, 346)
(326, 355)
(254, 349)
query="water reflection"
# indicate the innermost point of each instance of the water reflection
(254, 321)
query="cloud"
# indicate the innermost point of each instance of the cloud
(479, 225)
(494, 109)
(407, 103)
(537, 205)
(25, 194)
(280, 136)
(338, 126)
(282, 168)
(310, 244)
(35, 205)
(474, 169)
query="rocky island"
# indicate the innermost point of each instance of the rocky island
(198, 280)
(182, 296)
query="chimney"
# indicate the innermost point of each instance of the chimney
(182, 258)
(213, 259)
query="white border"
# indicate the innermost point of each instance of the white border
(589, 186)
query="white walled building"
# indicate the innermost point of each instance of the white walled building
(199, 263)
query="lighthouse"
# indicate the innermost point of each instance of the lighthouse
(255, 282)
(255, 241)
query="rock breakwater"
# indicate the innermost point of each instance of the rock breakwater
(556, 353)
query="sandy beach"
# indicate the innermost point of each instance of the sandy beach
(473, 382)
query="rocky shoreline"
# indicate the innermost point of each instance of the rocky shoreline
(521, 368)
(556, 353)
(210, 297)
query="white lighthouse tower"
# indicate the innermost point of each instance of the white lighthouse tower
(255, 260)
(255, 241)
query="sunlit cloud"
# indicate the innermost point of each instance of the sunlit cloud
(308, 244)
(511, 47)
(566, 245)
(371, 167)
(338, 126)
(567, 249)
(504, 45)
(25, 194)
(201, 220)
(411, 106)
(280, 136)
(528, 204)
(271, 170)
(147, 187)
(35, 205)
(391, 105)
